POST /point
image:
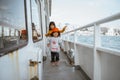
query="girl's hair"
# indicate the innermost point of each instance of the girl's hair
(53, 33)
(51, 23)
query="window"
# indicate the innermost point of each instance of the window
(12, 23)
(36, 20)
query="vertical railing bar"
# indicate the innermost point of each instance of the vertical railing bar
(97, 60)
(67, 43)
(75, 49)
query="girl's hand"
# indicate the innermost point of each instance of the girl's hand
(64, 27)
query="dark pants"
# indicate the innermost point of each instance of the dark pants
(54, 56)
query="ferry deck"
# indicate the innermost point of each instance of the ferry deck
(24, 54)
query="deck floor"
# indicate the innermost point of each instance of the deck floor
(64, 71)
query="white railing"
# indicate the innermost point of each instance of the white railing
(97, 68)
(105, 20)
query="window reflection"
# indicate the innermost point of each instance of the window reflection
(36, 21)
(12, 22)
(35, 34)
(23, 34)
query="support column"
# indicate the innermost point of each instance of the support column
(97, 56)
(68, 48)
(76, 57)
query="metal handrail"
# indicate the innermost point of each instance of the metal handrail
(105, 20)
(96, 55)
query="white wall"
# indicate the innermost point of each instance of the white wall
(86, 59)
(110, 66)
(109, 60)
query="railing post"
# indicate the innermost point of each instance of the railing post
(75, 49)
(75, 36)
(97, 60)
(62, 37)
(2, 37)
(67, 37)
(67, 42)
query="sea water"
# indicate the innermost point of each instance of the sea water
(112, 42)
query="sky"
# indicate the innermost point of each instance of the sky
(82, 12)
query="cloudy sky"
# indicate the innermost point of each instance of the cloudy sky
(82, 12)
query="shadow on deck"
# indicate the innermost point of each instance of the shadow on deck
(64, 71)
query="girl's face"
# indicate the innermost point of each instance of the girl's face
(52, 26)
(55, 34)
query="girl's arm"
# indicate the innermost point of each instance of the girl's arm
(48, 34)
(61, 31)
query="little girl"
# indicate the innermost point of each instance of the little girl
(55, 43)
(51, 27)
